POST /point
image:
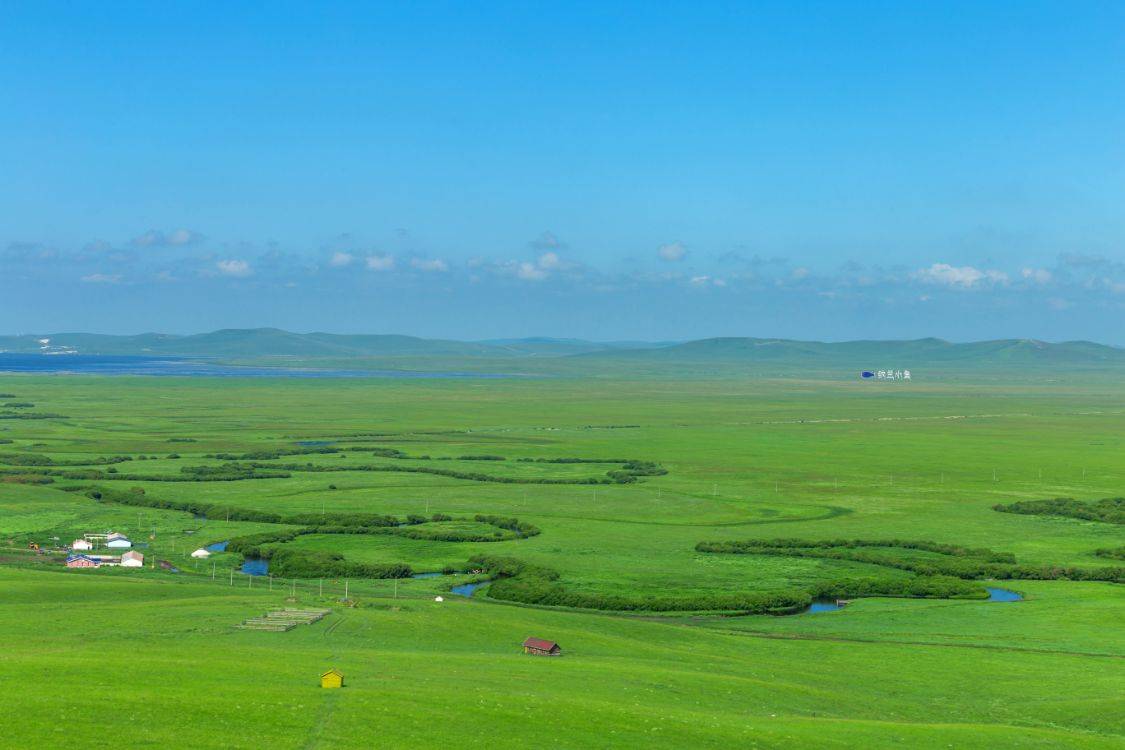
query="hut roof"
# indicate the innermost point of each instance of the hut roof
(540, 644)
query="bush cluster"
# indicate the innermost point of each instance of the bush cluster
(26, 479)
(1108, 510)
(37, 459)
(30, 415)
(517, 581)
(958, 562)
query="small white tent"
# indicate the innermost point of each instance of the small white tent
(201, 553)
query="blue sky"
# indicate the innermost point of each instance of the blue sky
(605, 170)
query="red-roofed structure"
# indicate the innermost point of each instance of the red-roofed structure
(540, 647)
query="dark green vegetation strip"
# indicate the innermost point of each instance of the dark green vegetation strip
(1108, 510)
(516, 581)
(35, 459)
(244, 466)
(631, 470)
(224, 473)
(30, 415)
(322, 523)
(626, 475)
(1113, 553)
(302, 563)
(947, 560)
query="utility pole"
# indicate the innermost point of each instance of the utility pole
(322, 587)
(232, 576)
(345, 588)
(396, 588)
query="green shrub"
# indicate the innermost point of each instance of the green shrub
(1108, 510)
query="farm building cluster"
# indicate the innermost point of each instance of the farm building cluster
(82, 557)
(111, 539)
(130, 559)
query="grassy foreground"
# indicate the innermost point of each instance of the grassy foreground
(153, 659)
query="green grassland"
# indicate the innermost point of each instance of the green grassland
(154, 658)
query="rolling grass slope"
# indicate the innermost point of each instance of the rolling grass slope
(155, 659)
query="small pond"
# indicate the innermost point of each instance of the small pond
(256, 566)
(426, 575)
(1003, 595)
(315, 443)
(467, 589)
(822, 605)
(217, 547)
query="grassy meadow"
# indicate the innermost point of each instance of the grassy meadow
(153, 659)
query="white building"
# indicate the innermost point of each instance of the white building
(201, 553)
(81, 544)
(132, 559)
(116, 540)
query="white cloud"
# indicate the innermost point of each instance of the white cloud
(175, 238)
(1038, 275)
(183, 237)
(380, 262)
(672, 252)
(800, 273)
(546, 241)
(530, 272)
(962, 277)
(537, 270)
(341, 259)
(102, 278)
(435, 265)
(699, 280)
(238, 268)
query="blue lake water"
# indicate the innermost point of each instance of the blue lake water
(256, 567)
(98, 364)
(426, 575)
(1003, 595)
(467, 589)
(217, 547)
(822, 605)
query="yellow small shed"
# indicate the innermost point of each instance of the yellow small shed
(333, 678)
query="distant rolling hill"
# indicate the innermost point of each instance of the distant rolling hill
(873, 353)
(250, 342)
(731, 351)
